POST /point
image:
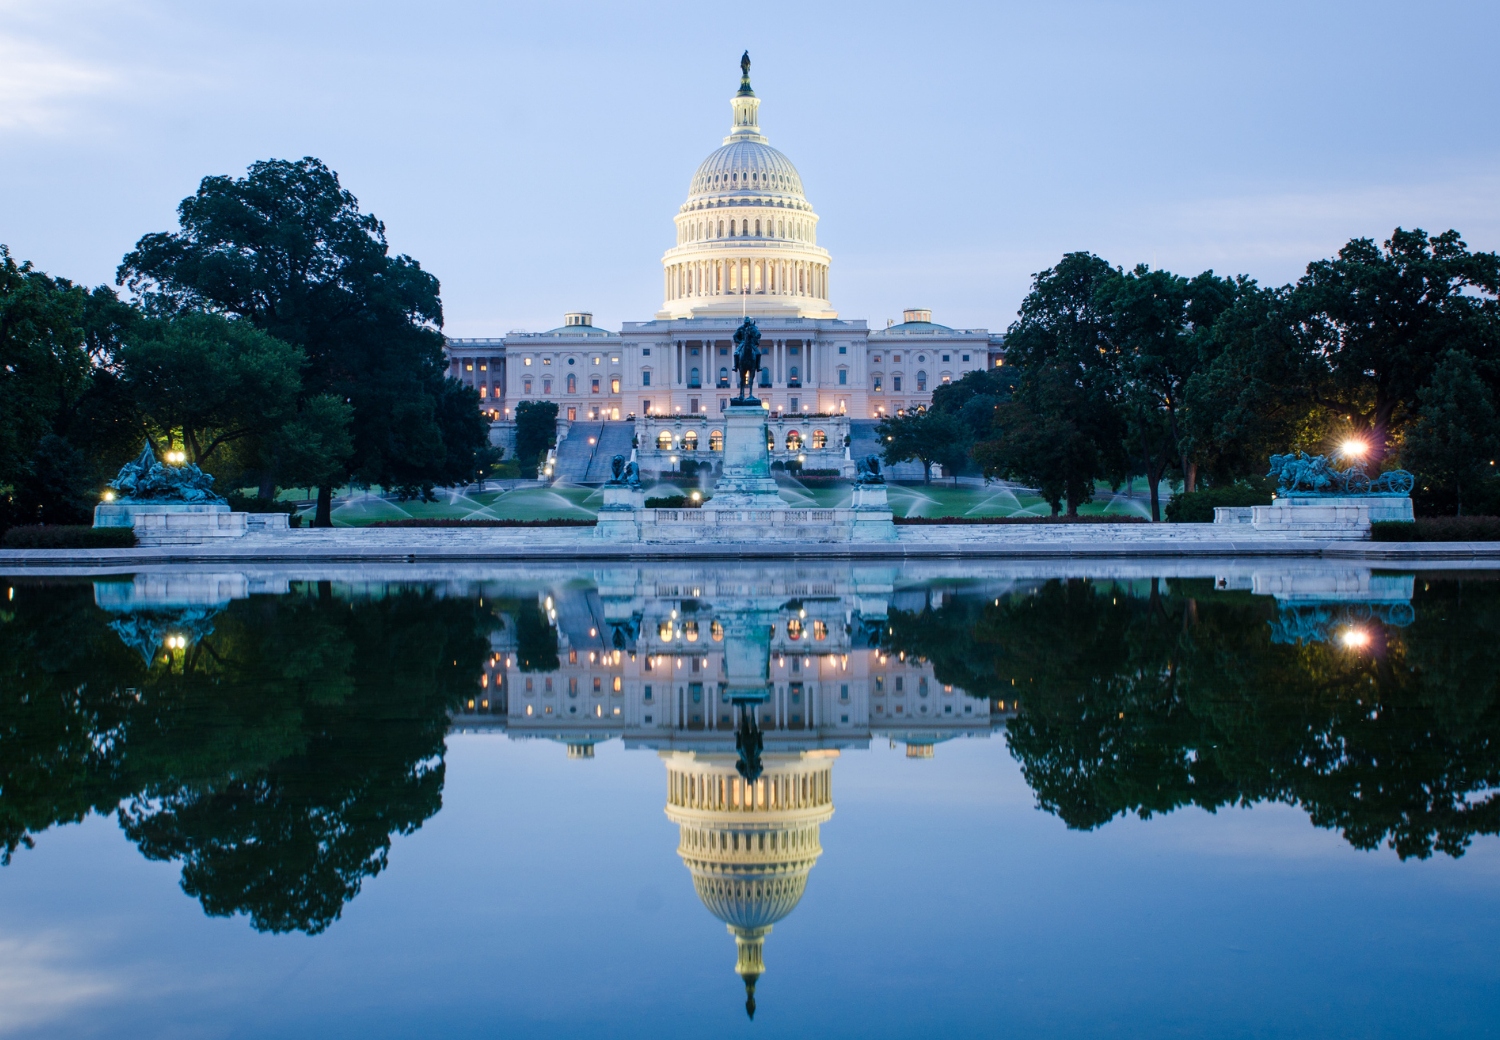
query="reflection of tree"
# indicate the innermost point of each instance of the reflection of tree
(274, 757)
(536, 639)
(1142, 700)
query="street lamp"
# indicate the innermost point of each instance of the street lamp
(1354, 448)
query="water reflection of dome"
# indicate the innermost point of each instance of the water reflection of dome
(749, 846)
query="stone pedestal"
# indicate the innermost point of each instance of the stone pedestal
(174, 523)
(123, 514)
(872, 520)
(1329, 516)
(746, 482)
(619, 517)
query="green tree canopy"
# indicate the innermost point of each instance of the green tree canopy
(211, 381)
(65, 422)
(536, 431)
(1455, 442)
(1374, 323)
(287, 248)
(1069, 388)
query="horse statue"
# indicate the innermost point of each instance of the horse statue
(145, 480)
(746, 358)
(1311, 474)
(1299, 472)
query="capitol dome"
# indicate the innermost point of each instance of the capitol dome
(746, 236)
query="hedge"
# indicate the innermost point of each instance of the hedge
(68, 536)
(1438, 529)
(1198, 507)
(675, 502)
(1021, 520)
(454, 522)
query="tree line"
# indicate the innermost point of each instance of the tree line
(1111, 374)
(272, 338)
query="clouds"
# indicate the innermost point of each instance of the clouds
(41, 85)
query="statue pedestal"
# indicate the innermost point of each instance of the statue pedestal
(123, 514)
(619, 517)
(174, 523)
(746, 482)
(1329, 516)
(873, 521)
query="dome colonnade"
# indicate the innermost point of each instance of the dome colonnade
(746, 230)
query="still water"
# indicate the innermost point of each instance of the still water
(1247, 800)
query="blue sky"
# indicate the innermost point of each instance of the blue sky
(532, 155)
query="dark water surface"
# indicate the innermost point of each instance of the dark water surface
(1251, 801)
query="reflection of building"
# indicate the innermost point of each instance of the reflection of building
(669, 658)
(645, 658)
(749, 846)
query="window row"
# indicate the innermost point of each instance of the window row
(688, 441)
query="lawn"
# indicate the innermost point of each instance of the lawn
(569, 501)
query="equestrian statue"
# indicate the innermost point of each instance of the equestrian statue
(746, 359)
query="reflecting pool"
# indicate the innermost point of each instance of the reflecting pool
(1159, 799)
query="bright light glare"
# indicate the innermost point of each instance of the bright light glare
(1354, 448)
(1355, 638)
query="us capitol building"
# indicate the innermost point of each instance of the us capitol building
(746, 242)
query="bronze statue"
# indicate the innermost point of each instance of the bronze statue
(747, 359)
(745, 67)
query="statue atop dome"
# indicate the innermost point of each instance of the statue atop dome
(745, 74)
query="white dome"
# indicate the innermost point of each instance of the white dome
(747, 169)
(747, 238)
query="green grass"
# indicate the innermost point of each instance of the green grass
(572, 502)
(908, 500)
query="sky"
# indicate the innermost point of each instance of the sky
(532, 155)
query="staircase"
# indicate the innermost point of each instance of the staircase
(579, 462)
(614, 439)
(574, 453)
(865, 441)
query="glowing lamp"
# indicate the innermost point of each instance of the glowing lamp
(1354, 448)
(1355, 638)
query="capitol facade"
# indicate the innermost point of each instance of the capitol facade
(746, 243)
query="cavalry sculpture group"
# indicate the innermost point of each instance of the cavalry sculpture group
(1299, 474)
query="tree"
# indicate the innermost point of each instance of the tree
(211, 381)
(536, 431)
(313, 448)
(65, 425)
(1069, 387)
(1374, 323)
(1455, 442)
(927, 436)
(1251, 395)
(287, 248)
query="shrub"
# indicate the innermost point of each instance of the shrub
(1063, 519)
(68, 536)
(1438, 529)
(455, 522)
(254, 504)
(674, 502)
(1198, 507)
